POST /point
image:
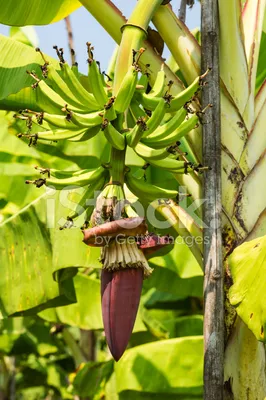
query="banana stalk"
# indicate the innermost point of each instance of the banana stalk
(134, 32)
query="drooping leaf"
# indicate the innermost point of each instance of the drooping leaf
(86, 313)
(248, 268)
(35, 12)
(143, 370)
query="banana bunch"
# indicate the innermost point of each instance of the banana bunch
(149, 120)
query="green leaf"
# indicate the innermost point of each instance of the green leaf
(165, 280)
(261, 70)
(15, 59)
(86, 313)
(10, 144)
(92, 377)
(179, 260)
(248, 268)
(185, 326)
(26, 35)
(39, 332)
(144, 369)
(16, 169)
(26, 262)
(35, 12)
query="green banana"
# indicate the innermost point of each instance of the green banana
(57, 121)
(47, 98)
(58, 134)
(144, 81)
(109, 110)
(75, 70)
(114, 137)
(135, 134)
(61, 87)
(59, 174)
(178, 101)
(149, 153)
(172, 165)
(136, 110)
(87, 195)
(156, 118)
(96, 80)
(87, 120)
(80, 93)
(146, 191)
(89, 133)
(163, 131)
(84, 179)
(174, 102)
(177, 134)
(127, 89)
(159, 84)
(149, 103)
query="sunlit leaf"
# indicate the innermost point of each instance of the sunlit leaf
(248, 268)
(15, 59)
(26, 35)
(144, 369)
(35, 12)
(26, 262)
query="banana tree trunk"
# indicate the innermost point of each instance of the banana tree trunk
(213, 263)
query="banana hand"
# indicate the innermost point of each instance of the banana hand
(84, 179)
(147, 192)
(148, 153)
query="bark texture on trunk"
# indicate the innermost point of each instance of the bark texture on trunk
(213, 260)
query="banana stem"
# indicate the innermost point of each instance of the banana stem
(117, 162)
(134, 32)
(112, 20)
(180, 41)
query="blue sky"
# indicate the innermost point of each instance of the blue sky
(86, 28)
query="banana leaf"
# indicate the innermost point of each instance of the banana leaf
(143, 370)
(248, 267)
(35, 12)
